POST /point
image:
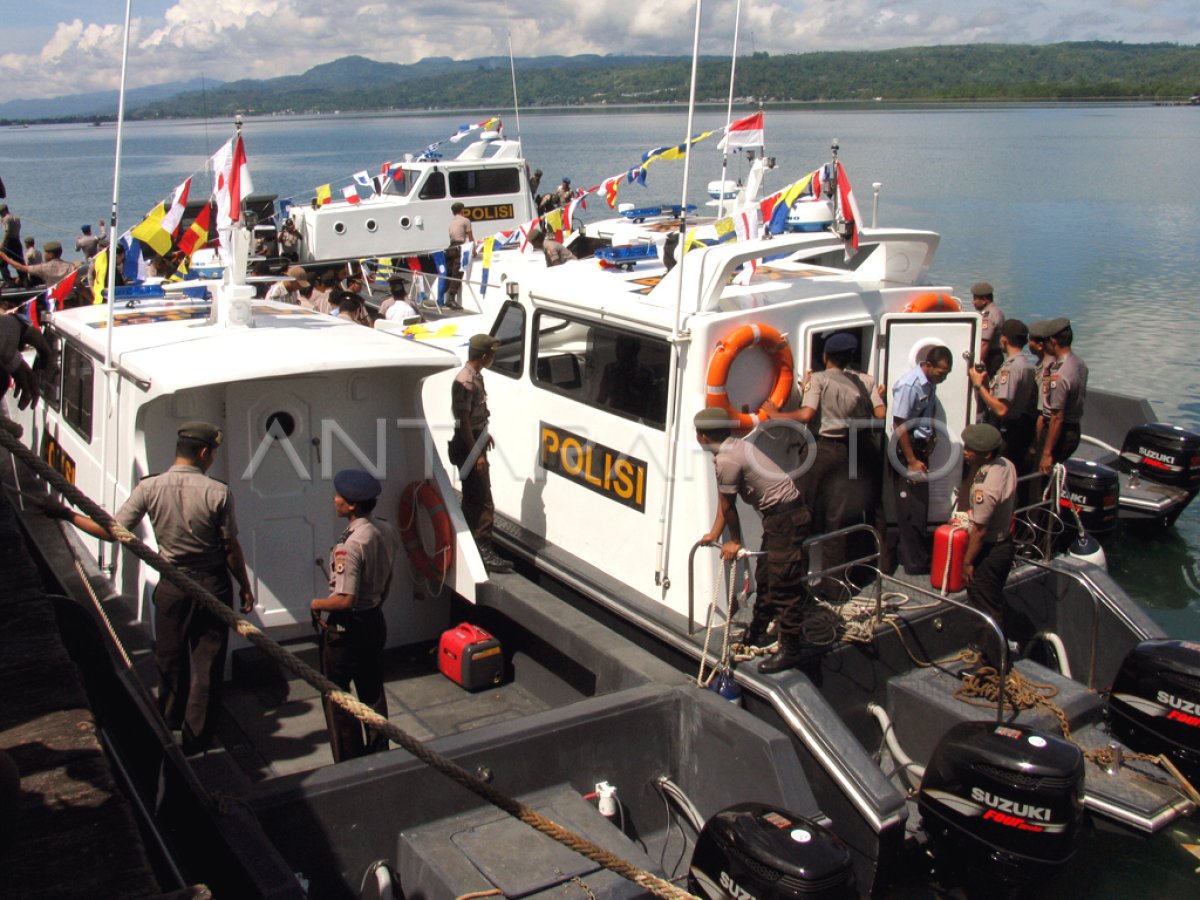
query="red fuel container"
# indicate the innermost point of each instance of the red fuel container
(949, 541)
(470, 657)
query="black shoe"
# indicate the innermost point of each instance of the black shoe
(791, 652)
(494, 562)
(755, 634)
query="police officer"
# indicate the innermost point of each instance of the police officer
(914, 407)
(744, 471)
(1009, 399)
(460, 233)
(354, 633)
(843, 401)
(993, 321)
(990, 498)
(194, 524)
(470, 445)
(1064, 392)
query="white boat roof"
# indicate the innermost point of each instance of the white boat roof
(173, 346)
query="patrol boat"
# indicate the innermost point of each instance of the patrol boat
(605, 493)
(555, 712)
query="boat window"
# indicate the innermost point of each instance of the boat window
(483, 182)
(77, 391)
(859, 360)
(836, 259)
(434, 187)
(50, 378)
(622, 373)
(402, 182)
(510, 330)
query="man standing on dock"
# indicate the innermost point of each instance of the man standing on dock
(360, 573)
(470, 444)
(194, 524)
(782, 596)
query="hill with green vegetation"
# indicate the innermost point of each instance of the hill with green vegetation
(1068, 71)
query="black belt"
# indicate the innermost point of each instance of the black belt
(785, 507)
(844, 439)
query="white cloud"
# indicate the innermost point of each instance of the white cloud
(230, 39)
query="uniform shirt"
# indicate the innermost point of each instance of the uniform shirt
(468, 399)
(556, 254)
(87, 244)
(993, 497)
(914, 397)
(192, 514)
(278, 291)
(746, 471)
(33, 256)
(362, 563)
(993, 320)
(51, 271)
(397, 309)
(460, 229)
(1015, 382)
(1041, 368)
(835, 394)
(1065, 388)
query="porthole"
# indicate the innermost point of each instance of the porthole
(339, 227)
(285, 422)
(405, 222)
(372, 225)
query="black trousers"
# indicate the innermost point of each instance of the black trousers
(477, 506)
(837, 500)
(986, 593)
(454, 275)
(352, 655)
(781, 592)
(189, 651)
(912, 522)
(1018, 438)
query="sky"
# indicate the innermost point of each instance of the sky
(52, 48)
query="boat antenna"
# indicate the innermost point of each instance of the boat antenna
(737, 21)
(512, 69)
(111, 250)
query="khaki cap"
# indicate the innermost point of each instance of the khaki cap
(204, 432)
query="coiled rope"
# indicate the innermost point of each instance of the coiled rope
(10, 433)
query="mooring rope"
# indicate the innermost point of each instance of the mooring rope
(10, 434)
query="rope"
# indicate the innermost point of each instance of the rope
(9, 438)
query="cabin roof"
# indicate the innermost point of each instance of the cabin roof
(174, 347)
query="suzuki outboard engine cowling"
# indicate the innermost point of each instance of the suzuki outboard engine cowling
(1163, 453)
(1095, 491)
(752, 850)
(1002, 804)
(1154, 706)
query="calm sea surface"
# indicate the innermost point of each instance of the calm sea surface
(1091, 212)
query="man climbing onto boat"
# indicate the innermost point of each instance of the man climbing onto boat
(470, 445)
(193, 520)
(354, 634)
(744, 471)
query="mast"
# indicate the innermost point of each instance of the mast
(737, 22)
(109, 371)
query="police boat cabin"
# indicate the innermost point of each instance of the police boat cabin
(297, 395)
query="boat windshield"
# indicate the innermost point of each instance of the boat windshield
(402, 182)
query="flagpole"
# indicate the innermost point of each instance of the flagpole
(737, 22)
(112, 275)
(661, 578)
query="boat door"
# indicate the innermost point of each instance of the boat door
(282, 503)
(904, 340)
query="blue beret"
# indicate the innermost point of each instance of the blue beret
(841, 343)
(355, 485)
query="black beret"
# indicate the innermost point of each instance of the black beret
(841, 343)
(355, 485)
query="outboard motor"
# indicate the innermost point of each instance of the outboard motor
(1163, 453)
(756, 851)
(1095, 491)
(1002, 804)
(1154, 706)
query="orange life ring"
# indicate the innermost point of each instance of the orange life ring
(422, 495)
(775, 345)
(933, 301)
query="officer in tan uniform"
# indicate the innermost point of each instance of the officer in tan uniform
(1064, 392)
(744, 471)
(354, 632)
(993, 321)
(460, 233)
(988, 498)
(194, 524)
(844, 402)
(1009, 399)
(470, 445)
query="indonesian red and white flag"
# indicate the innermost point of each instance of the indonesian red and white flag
(849, 208)
(747, 225)
(56, 295)
(350, 193)
(747, 132)
(231, 181)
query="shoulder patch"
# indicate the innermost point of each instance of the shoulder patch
(978, 497)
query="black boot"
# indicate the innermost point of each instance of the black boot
(756, 634)
(493, 561)
(791, 651)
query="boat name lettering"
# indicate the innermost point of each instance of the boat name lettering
(57, 458)
(1024, 810)
(616, 475)
(490, 213)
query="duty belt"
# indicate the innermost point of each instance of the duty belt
(786, 506)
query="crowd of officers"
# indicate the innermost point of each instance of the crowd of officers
(1029, 415)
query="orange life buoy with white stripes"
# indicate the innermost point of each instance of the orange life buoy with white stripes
(775, 345)
(933, 301)
(422, 496)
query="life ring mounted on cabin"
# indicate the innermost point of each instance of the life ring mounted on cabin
(423, 496)
(933, 301)
(775, 345)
